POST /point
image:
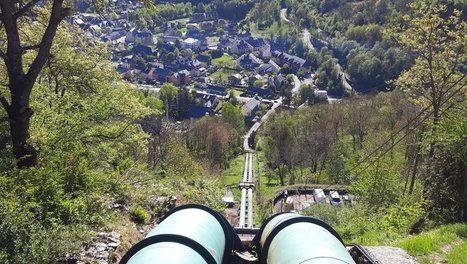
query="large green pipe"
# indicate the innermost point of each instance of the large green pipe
(188, 234)
(292, 238)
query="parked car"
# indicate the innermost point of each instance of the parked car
(319, 196)
(335, 198)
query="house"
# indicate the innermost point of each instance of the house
(208, 100)
(270, 67)
(261, 46)
(166, 46)
(184, 63)
(123, 67)
(255, 91)
(165, 75)
(252, 79)
(191, 26)
(191, 43)
(183, 77)
(198, 72)
(206, 26)
(279, 80)
(141, 49)
(145, 38)
(199, 111)
(204, 60)
(295, 63)
(235, 79)
(249, 61)
(113, 36)
(322, 95)
(139, 37)
(171, 35)
(216, 89)
(238, 47)
(250, 107)
(199, 17)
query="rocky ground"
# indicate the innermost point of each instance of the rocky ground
(100, 249)
(391, 255)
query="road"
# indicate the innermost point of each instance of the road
(296, 85)
(258, 123)
(306, 38)
(283, 15)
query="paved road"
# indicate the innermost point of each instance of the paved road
(296, 85)
(306, 38)
(256, 125)
(283, 14)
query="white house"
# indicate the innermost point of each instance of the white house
(191, 43)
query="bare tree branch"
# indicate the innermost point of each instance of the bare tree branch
(5, 104)
(25, 8)
(57, 15)
(31, 47)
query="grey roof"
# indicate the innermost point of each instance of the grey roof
(248, 59)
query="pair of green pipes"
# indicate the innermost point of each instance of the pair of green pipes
(192, 234)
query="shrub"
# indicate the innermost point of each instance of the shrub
(139, 215)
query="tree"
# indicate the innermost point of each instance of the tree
(280, 142)
(440, 46)
(258, 84)
(307, 94)
(21, 77)
(234, 118)
(438, 39)
(168, 93)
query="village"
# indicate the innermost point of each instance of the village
(206, 55)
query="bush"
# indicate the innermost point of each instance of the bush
(139, 215)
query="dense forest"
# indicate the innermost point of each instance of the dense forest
(82, 150)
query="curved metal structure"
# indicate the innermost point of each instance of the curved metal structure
(187, 234)
(292, 238)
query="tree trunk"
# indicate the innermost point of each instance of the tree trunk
(19, 114)
(414, 169)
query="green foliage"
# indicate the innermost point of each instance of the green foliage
(457, 254)
(168, 93)
(24, 239)
(224, 61)
(265, 12)
(150, 17)
(366, 226)
(379, 186)
(437, 36)
(432, 241)
(258, 83)
(140, 215)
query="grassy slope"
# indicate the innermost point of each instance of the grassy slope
(233, 175)
(446, 244)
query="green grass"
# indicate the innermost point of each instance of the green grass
(458, 254)
(268, 187)
(233, 175)
(222, 75)
(432, 242)
(224, 61)
(236, 92)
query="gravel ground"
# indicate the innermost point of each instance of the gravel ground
(391, 255)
